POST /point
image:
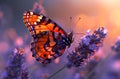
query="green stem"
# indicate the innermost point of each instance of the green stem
(56, 72)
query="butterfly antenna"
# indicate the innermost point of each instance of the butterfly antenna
(76, 24)
(78, 20)
(71, 19)
(70, 23)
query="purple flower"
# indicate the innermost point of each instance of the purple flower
(88, 45)
(16, 68)
(116, 47)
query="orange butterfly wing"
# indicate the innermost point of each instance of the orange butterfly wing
(46, 34)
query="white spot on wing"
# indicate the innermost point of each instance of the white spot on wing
(35, 23)
(31, 27)
(31, 13)
(40, 17)
(24, 14)
(28, 23)
(27, 16)
(38, 20)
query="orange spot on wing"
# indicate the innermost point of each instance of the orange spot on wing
(50, 26)
(61, 32)
(56, 29)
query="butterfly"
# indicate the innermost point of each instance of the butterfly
(49, 40)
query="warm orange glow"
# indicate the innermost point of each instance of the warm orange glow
(104, 13)
(115, 18)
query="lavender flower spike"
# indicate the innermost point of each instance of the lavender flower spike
(15, 68)
(116, 47)
(88, 45)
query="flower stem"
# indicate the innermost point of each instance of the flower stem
(56, 72)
